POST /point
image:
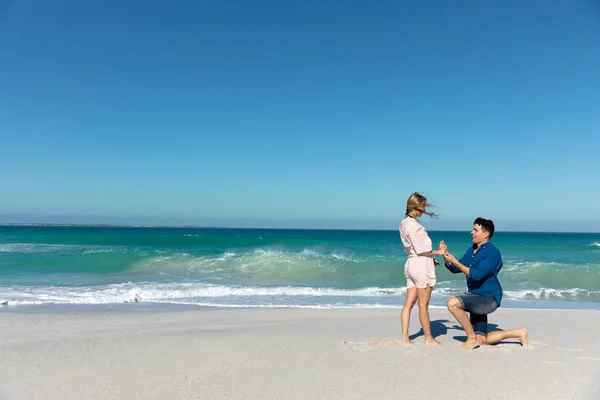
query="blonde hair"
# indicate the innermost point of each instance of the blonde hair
(418, 202)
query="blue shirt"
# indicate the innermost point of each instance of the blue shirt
(484, 267)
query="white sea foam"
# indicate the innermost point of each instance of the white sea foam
(34, 248)
(49, 248)
(343, 258)
(257, 260)
(248, 296)
(309, 252)
(527, 265)
(545, 293)
(101, 250)
(169, 292)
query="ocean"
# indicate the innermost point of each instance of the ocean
(199, 267)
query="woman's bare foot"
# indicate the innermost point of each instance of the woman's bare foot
(432, 342)
(470, 344)
(406, 341)
(523, 336)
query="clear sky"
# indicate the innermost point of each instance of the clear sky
(311, 113)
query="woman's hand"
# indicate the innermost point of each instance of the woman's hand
(442, 248)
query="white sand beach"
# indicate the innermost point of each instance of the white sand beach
(291, 354)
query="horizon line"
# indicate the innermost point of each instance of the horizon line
(145, 226)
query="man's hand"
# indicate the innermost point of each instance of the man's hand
(450, 259)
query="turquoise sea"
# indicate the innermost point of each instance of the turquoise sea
(100, 266)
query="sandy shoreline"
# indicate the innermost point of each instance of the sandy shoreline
(291, 354)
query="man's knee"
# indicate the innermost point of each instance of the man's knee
(453, 303)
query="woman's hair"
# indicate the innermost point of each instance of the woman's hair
(418, 202)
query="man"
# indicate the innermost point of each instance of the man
(481, 264)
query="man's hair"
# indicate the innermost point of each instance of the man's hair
(487, 225)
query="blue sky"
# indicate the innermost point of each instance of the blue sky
(301, 113)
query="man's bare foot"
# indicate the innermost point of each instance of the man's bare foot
(523, 336)
(481, 340)
(432, 342)
(406, 341)
(470, 344)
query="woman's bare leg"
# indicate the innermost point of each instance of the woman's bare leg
(409, 303)
(423, 296)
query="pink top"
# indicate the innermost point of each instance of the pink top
(414, 237)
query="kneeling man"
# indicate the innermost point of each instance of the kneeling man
(481, 264)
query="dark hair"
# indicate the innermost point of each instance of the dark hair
(487, 225)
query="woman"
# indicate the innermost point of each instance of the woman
(420, 266)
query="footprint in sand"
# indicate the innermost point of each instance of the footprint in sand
(393, 343)
(533, 343)
(589, 358)
(499, 348)
(555, 362)
(378, 343)
(359, 346)
(564, 349)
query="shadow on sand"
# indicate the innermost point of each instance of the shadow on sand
(491, 328)
(438, 328)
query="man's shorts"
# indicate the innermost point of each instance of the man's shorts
(478, 307)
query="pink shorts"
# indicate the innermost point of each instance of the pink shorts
(419, 272)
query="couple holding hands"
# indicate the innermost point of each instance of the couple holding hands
(481, 264)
